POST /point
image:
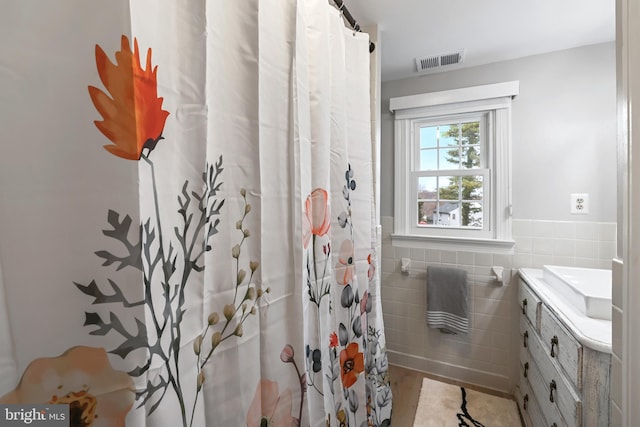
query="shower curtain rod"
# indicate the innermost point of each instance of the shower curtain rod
(356, 27)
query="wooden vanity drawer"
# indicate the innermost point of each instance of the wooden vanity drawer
(540, 392)
(561, 346)
(529, 406)
(526, 332)
(529, 305)
(557, 387)
(527, 402)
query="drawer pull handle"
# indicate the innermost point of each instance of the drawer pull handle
(526, 368)
(552, 387)
(526, 336)
(554, 342)
(525, 401)
(524, 306)
(554, 425)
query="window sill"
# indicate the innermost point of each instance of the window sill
(453, 243)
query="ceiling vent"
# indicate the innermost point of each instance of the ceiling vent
(433, 62)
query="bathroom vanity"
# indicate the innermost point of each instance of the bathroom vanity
(565, 347)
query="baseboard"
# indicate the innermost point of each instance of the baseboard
(453, 373)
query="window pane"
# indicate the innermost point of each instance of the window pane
(472, 187)
(427, 187)
(449, 187)
(451, 201)
(425, 212)
(452, 146)
(428, 137)
(429, 159)
(449, 158)
(471, 215)
(470, 133)
(470, 157)
(447, 214)
(448, 135)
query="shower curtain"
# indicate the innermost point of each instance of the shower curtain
(187, 228)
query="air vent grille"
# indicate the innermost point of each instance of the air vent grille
(431, 62)
(451, 59)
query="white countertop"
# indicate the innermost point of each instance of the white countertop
(593, 333)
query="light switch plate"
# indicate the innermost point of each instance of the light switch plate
(580, 203)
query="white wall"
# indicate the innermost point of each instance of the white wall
(564, 129)
(564, 140)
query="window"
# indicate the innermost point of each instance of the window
(452, 169)
(450, 172)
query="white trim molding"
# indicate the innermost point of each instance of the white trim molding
(494, 246)
(467, 94)
(628, 69)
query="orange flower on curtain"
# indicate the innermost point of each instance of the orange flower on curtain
(133, 118)
(83, 378)
(351, 363)
(317, 218)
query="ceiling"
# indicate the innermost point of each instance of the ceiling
(488, 31)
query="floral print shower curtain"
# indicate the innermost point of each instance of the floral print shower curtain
(194, 193)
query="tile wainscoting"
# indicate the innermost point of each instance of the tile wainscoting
(486, 357)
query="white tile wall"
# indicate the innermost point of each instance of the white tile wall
(579, 244)
(486, 356)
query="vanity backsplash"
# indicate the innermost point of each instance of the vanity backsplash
(567, 243)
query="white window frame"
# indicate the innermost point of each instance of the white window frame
(494, 101)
